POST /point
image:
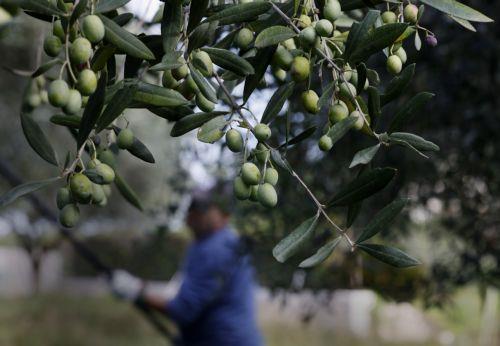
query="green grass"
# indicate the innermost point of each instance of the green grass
(56, 320)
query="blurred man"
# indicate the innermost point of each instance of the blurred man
(215, 302)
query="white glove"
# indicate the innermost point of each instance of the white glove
(125, 285)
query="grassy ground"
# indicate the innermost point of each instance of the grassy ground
(103, 321)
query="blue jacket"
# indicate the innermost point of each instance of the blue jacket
(215, 303)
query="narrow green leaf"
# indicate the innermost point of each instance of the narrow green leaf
(211, 131)
(358, 32)
(389, 255)
(116, 106)
(280, 160)
(398, 85)
(205, 87)
(168, 62)
(171, 24)
(127, 192)
(415, 141)
(229, 61)
(353, 211)
(71, 121)
(457, 9)
(92, 110)
(322, 254)
(125, 41)
(202, 35)
(260, 62)
(277, 101)
(45, 67)
(37, 139)
(78, 11)
(192, 121)
(361, 70)
(24, 189)
(292, 243)
(154, 95)
(366, 185)
(39, 6)
(338, 130)
(300, 137)
(326, 96)
(196, 13)
(348, 5)
(104, 6)
(364, 156)
(409, 109)
(273, 35)
(376, 40)
(382, 220)
(240, 13)
(138, 149)
(374, 104)
(465, 23)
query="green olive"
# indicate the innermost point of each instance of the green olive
(58, 93)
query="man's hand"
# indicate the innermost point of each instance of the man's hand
(125, 285)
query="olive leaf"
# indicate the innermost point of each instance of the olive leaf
(45, 67)
(465, 23)
(127, 192)
(229, 61)
(92, 110)
(39, 6)
(322, 254)
(37, 139)
(24, 189)
(125, 41)
(171, 24)
(300, 137)
(382, 219)
(192, 121)
(273, 35)
(104, 6)
(204, 34)
(457, 9)
(154, 95)
(398, 85)
(409, 109)
(338, 130)
(116, 106)
(358, 32)
(326, 96)
(413, 142)
(277, 101)
(196, 14)
(260, 62)
(240, 13)
(205, 87)
(365, 185)
(376, 40)
(361, 70)
(292, 243)
(348, 5)
(364, 156)
(71, 121)
(169, 61)
(211, 131)
(138, 149)
(280, 160)
(78, 11)
(389, 255)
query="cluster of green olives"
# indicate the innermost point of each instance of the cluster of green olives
(181, 80)
(84, 189)
(398, 57)
(77, 42)
(252, 183)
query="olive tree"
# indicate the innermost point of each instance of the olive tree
(192, 75)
